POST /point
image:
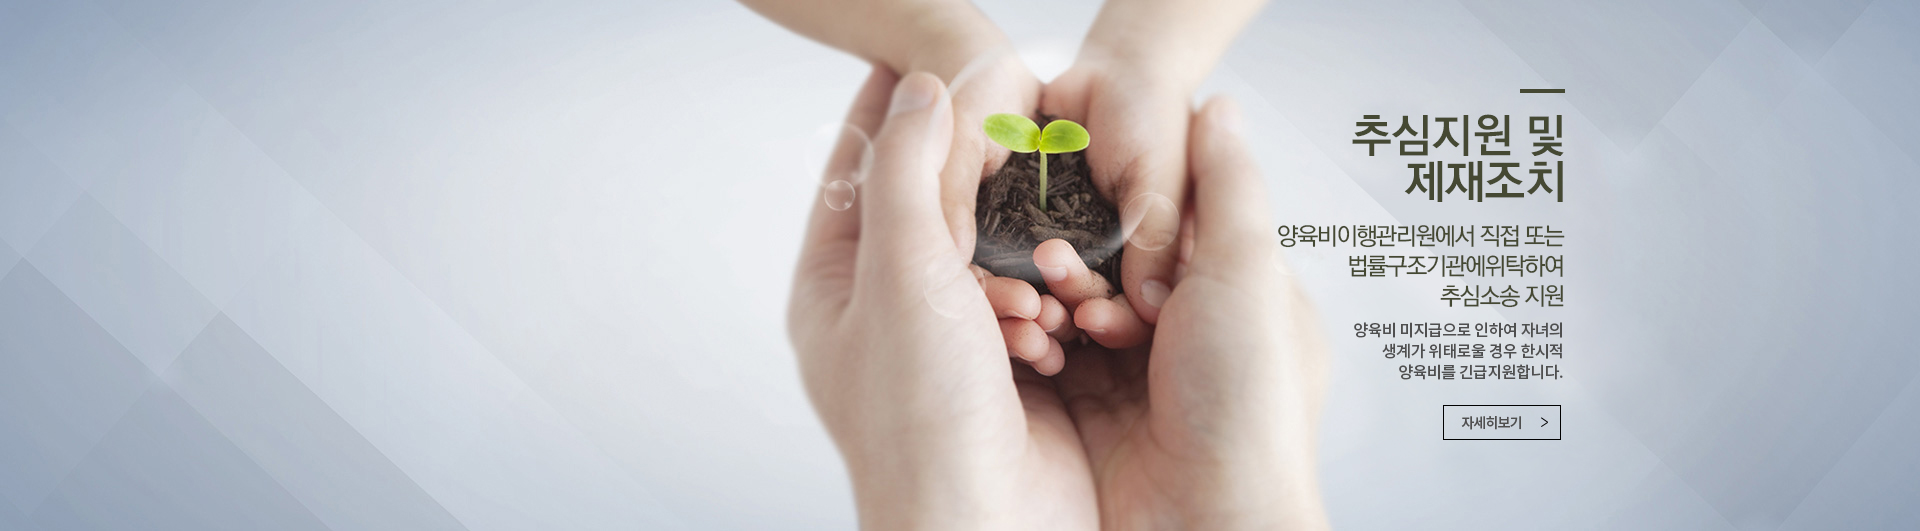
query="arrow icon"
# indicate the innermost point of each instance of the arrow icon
(1543, 422)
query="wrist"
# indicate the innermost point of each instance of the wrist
(1256, 493)
(1148, 70)
(1259, 471)
(1285, 499)
(1170, 43)
(899, 491)
(894, 505)
(939, 38)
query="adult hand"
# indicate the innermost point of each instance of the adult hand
(902, 354)
(1213, 425)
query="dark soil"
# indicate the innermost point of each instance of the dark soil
(1010, 223)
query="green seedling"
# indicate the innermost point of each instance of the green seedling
(1020, 134)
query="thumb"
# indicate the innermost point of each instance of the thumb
(903, 215)
(1230, 207)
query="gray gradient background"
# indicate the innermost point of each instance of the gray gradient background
(355, 265)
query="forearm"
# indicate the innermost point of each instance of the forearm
(937, 36)
(1164, 41)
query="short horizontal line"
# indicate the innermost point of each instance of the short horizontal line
(1543, 91)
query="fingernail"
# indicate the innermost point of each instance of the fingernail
(915, 92)
(1154, 292)
(1052, 274)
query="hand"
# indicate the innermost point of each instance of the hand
(1139, 163)
(1132, 87)
(948, 38)
(994, 81)
(1213, 425)
(902, 355)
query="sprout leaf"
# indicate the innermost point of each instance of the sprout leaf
(1063, 136)
(1016, 132)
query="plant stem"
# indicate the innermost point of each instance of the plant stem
(1043, 180)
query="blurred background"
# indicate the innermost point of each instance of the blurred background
(524, 265)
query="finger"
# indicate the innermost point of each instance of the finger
(850, 153)
(1230, 206)
(1151, 223)
(1011, 297)
(1067, 277)
(1186, 237)
(824, 272)
(1024, 339)
(1186, 247)
(1055, 320)
(1111, 323)
(960, 182)
(1054, 360)
(901, 215)
(1066, 96)
(1146, 180)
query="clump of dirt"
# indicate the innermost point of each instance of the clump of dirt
(1010, 223)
